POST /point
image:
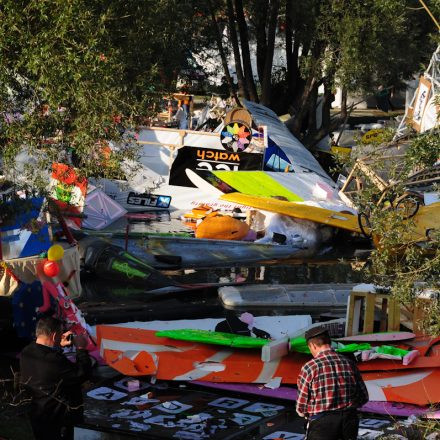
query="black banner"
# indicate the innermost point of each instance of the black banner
(206, 159)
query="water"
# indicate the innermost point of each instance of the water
(162, 222)
(119, 302)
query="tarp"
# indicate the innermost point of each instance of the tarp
(167, 156)
(277, 326)
(139, 352)
(100, 210)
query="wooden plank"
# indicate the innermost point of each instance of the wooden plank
(370, 303)
(384, 315)
(280, 347)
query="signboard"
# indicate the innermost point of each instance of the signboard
(373, 136)
(206, 159)
(148, 200)
(155, 411)
(418, 109)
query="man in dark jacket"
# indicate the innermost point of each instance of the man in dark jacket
(53, 381)
(330, 389)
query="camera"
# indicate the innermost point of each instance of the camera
(70, 337)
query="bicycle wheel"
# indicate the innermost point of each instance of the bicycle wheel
(364, 224)
(408, 205)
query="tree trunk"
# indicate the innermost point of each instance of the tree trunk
(218, 38)
(311, 115)
(260, 33)
(315, 134)
(244, 41)
(344, 112)
(288, 35)
(296, 122)
(243, 91)
(266, 84)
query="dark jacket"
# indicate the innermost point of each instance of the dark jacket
(54, 384)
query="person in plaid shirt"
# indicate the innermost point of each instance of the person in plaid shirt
(330, 389)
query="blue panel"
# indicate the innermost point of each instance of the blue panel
(36, 243)
(274, 158)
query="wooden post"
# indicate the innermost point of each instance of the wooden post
(370, 303)
(383, 315)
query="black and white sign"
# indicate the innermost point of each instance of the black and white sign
(244, 419)
(205, 159)
(172, 407)
(105, 393)
(261, 407)
(373, 423)
(228, 402)
(148, 200)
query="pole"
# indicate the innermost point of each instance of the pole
(430, 14)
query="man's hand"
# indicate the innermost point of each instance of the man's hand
(66, 339)
(80, 342)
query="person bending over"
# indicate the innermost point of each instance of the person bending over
(330, 389)
(54, 383)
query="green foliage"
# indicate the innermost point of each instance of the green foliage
(75, 74)
(424, 150)
(361, 42)
(366, 61)
(400, 261)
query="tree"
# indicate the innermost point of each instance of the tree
(74, 74)
(402, 261)
(358, 47)
(354, 45)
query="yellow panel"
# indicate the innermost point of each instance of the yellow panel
(292, 209)
(427, 218)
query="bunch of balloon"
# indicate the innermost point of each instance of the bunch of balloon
(50, 266)
(62, 305)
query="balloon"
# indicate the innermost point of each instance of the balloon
(55, 253)
(51, 268)
(40, 267)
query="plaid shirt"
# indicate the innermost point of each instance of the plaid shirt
(329, 382)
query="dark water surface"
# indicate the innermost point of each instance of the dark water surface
(105, 301)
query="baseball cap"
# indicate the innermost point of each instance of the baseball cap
(315, 331)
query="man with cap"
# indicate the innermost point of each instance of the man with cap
(330, 389)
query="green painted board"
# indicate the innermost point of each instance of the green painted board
(256, 183)
(210, 337)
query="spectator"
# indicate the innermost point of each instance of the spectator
(182, 116)
(53, 381)
(330, 389)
